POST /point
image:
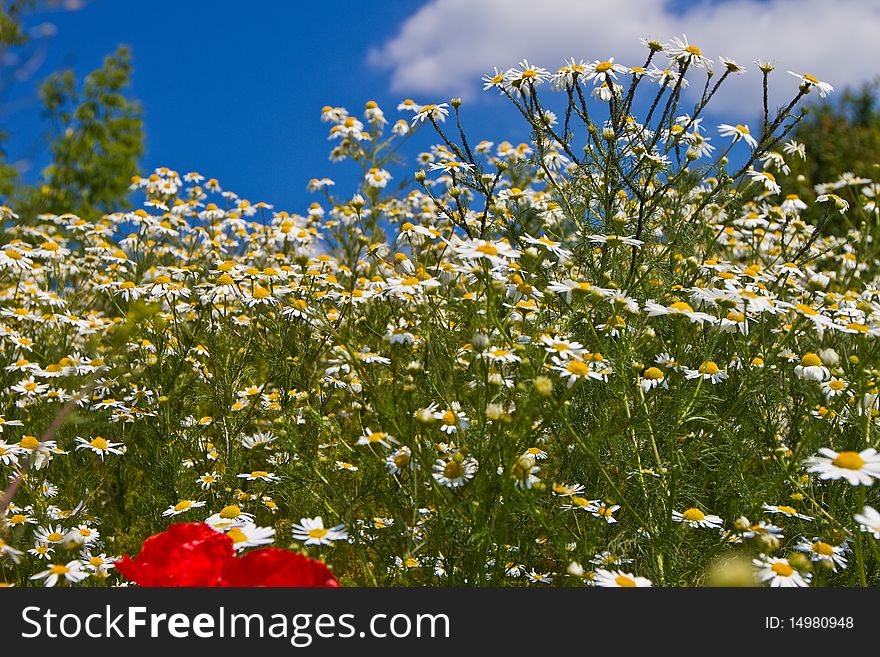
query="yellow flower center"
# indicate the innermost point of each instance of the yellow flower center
(402, 460)
(225, 279)
(709, 367)
(810, 78)
(682, 306)
(578, 368)
(182, 506)
(163, 280)
(624, 581)
(453, 470)
(29, 442)
(318, 532)
(99, 443)
(59, 570)
(694, 50)
(694, 515)
(849, 461)
(54, 537)
(258, 474)
(449, 417)
(487, 249)
(782, 569)
(811, 360)
(96, 561)
(237, 535)
(653, 374)
(823, 548)
(788, 510)
(602, 67)
(230, 512)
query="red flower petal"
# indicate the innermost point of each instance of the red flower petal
(186, 554)
(276, 567)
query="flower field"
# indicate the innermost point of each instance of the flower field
(622, 353)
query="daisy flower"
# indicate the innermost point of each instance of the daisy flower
(453, 419)
(834, 387)
(651, 378)
(810, 82)
(696, 518)
(683, 52)
(520, 76)
(259, 475)
(811, 368)
(707, 370)
(820, 551)
(371, 437)
(574, 369)
(72, 571)
(738, 131)
(313, 532)
(229, 516)
(456, 471)
(788, 511)
(619, 579)
(869, 521)
(182, 507)
(858, 468)
(606, 512)
(435, 112)
(678, 308)
(779, 572)
(249, 535)
(50, 534)
(100, 446)
(399, 460)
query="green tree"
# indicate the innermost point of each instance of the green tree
(96, 137)
(841, 135)
(98, 140)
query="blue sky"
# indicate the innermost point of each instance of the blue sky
(234, 89)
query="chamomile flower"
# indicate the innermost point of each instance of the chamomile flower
(778, 572)
(820, 551)
(72, 572)
(709, 371)
(811, 368)
(809, 82)
(619, 579)
(605, 512)
(100, 446)
(455, 471)
(370, 437)
(182, 507)
(259, 475)
(248, 535)
(788, 511)
(453, 419)
(651, 378)
(858, 468)
(738, 131)
(869, 521)
(312, 532)
(696, 518)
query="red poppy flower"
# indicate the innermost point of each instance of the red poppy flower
(186, 554)
(194, 554)
(275, 567)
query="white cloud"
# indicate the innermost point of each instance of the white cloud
(447, 45)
